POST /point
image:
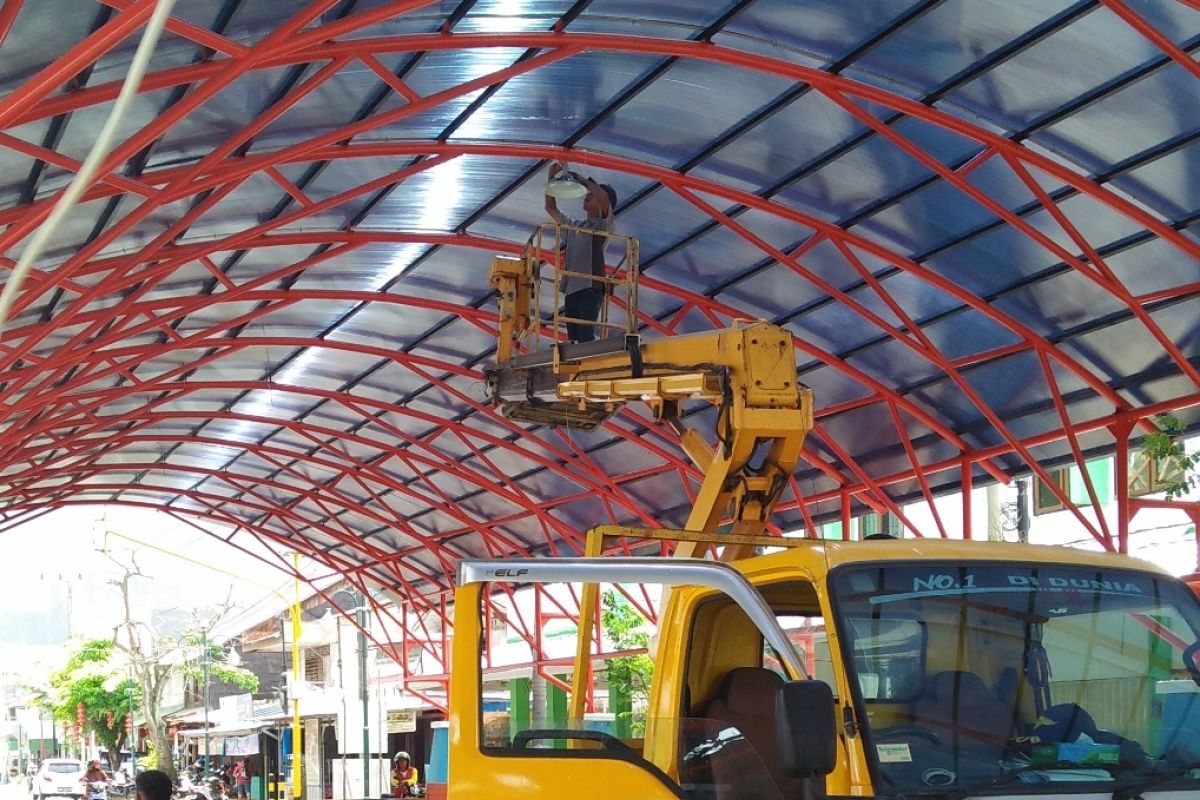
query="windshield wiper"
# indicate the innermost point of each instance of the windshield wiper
(1133, 790)
(1008, 776)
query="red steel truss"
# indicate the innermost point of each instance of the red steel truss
(99, 393)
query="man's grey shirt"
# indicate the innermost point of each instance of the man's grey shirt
(582, 253)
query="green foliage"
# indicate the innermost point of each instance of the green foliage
(629, 675)
(1165, 446)
(150, 760)
(219, 667)
(91, 678)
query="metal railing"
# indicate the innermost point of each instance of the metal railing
(546, 247)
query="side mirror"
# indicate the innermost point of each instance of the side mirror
(1191, 660)
(806, 728)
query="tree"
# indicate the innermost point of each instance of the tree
(628, 676)
(155, 654)
(1165, 446)
(92, 680)
(218, 663)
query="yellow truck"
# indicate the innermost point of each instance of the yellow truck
(794, 668)
(887, 669)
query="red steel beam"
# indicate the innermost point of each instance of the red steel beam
(709, 187)
(1157, 37)
(318, 44)
(8, 15)
(75, 60)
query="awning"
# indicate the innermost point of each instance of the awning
(237, 729)
(188, 716)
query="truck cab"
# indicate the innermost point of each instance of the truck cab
(889, 669)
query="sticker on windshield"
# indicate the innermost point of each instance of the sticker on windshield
(1068, 585)
(894, 753)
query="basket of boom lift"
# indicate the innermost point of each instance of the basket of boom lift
(533, 354)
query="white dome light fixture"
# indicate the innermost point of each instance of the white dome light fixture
(564, 186)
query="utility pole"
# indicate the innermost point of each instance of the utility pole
(297, 764)
(360, 614)
(204, 655)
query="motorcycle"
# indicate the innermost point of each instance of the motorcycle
(120, 786)
(96, 790)
(185, 789)
(216, 787)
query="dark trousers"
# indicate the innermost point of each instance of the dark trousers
(583, 304)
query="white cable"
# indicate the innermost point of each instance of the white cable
(99, 151)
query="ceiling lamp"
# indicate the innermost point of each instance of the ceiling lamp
(564, 186)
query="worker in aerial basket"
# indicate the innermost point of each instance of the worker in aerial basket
(404, 775)
(584, 253)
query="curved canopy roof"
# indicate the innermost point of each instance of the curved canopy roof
(978, 219)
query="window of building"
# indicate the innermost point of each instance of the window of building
(1070, 481)
(879, 524)
(314, 665)
(831, 530)
(1150, 475)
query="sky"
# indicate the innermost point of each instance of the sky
(56, 564)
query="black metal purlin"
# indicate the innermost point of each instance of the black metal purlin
(382, 94)
(630, 92)
(1130, 164)
(1105, 251)
(135, 167)
(138, 163)
(51, 141)
(731, 134)
(285, 86)
(969, 74)
(994, 59)
(1040, 123)
(608, 110)
(786, 98)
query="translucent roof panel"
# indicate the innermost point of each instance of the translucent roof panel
(979, 219)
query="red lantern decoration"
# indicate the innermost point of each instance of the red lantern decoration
(129, 723)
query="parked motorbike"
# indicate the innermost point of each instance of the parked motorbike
(186, 789)
(120, 786)
(216, 787)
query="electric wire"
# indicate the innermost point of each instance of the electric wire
(91, 164)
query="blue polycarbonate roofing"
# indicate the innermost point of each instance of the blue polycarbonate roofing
(978, 218)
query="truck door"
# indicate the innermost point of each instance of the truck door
(728, 747)
(501, 753)
(499, 747)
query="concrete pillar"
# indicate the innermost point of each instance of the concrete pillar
(537, 700)
(518, 705)
(995, 514)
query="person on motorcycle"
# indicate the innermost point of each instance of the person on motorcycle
(404, 775)
(95, 774)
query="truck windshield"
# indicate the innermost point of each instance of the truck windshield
(990, 674)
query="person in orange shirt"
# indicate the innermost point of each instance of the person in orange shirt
(94, 774)
(404, 775)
